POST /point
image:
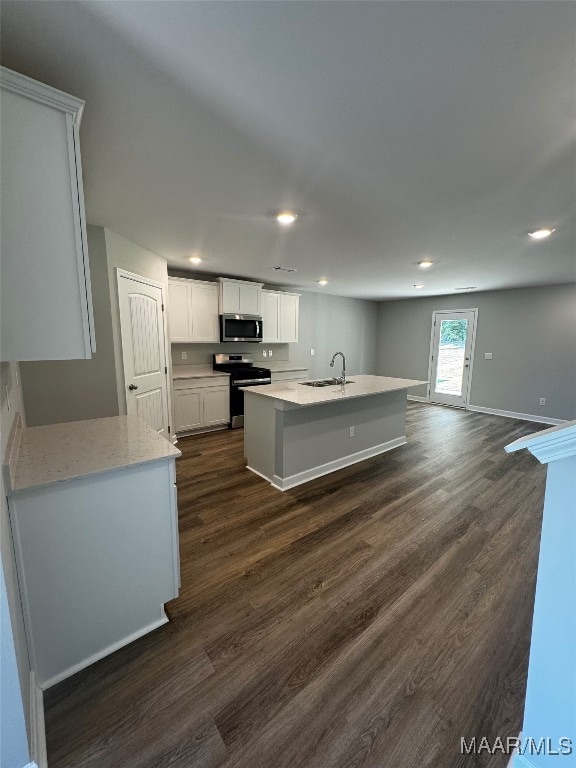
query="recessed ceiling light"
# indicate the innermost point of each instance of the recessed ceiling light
(323, 281)
(418, 285)
(195, 259)
(286, 218)
(540, 234)
(425, 264)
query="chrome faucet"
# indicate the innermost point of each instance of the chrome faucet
(342, 379)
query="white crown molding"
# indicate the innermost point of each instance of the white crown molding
(44, 94)
(549, 445)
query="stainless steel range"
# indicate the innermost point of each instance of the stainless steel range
(243, 373)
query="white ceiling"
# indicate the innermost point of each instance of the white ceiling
(400, 130)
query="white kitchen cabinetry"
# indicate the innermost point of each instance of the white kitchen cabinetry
(46, 299)
(201, 403)
(280, 312)
(95, 526)
(240, 297)
(192, 311)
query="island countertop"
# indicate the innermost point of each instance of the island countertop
(298, 394)
(59, 452)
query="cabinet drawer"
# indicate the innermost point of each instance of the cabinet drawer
(207, 381)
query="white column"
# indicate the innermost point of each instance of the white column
(550, 708)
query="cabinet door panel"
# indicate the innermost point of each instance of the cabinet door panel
(216, 406)
(270, 317)
(289, 318)
(188, 409)
(250, 299)
(204, 300)
(179, 319)
(45, 277)
(230, 298)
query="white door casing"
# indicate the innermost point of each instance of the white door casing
(450, 393)
(144, 350)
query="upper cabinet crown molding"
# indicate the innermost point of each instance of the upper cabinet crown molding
(43, 94)
(46, 295)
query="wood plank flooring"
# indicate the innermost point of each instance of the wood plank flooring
(369, 618)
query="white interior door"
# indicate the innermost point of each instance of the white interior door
(144, 350)
(451, 356)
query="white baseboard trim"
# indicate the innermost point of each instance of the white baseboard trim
(264, 477)
(106, 652)
(513, 415)
(416, 399)
(37, 728)
(284, 484)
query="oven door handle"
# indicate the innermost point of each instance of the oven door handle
(247, 382)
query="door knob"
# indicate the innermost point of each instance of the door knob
(133, 386)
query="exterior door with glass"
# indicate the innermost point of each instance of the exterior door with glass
(451, 356)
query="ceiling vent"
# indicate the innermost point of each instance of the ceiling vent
(283, 269)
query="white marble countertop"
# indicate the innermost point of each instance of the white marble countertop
(360, 386)
(195, 372)
(58, 452)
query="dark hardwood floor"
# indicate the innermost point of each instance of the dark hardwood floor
(368, 618)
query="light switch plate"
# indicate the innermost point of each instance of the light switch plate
(184, 355)
(311, 353)
(264, 353)
(487, 355)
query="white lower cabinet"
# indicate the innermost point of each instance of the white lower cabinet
(97, 559)
(201, 404)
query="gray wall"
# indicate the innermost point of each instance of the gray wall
(331, 324)
(15, 667)
(72, 390)
(531, 333)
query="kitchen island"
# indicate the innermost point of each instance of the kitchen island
(294, 432)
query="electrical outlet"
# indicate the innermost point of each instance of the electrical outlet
(184, 355)
(487, 355)
(542, 401)
(311, 353)
(352, 431)
(264, 353)
(269, 353)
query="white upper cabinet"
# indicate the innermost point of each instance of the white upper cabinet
(271, 317)
(179, 310)
(280, 312)
(46, 300)
(192, 310)
(240, 297)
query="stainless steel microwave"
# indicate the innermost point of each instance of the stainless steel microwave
(240, 328)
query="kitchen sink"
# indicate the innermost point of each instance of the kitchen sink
(323, 383)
